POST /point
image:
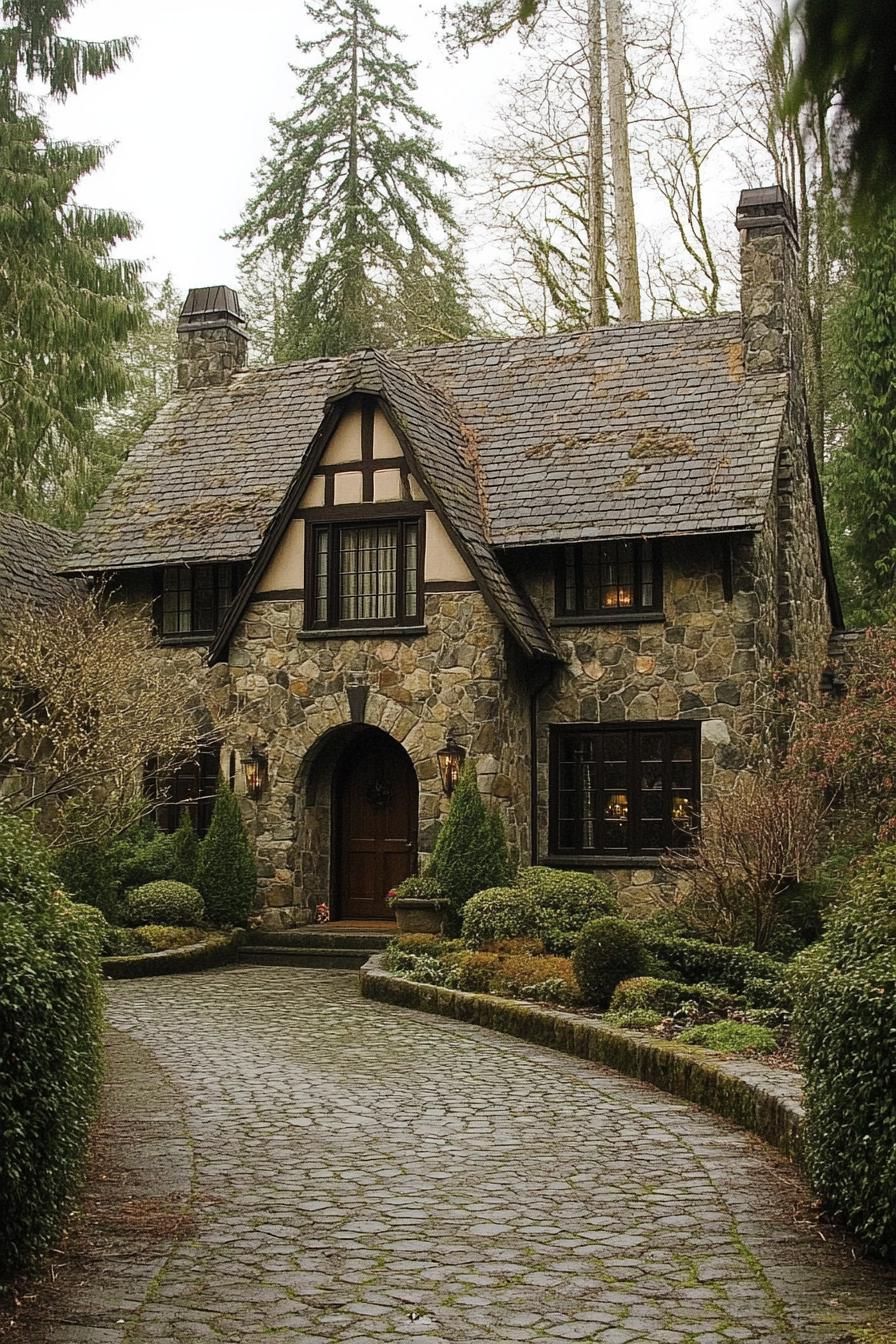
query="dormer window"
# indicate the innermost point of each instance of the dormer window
(194, 599)
(609, 580)
(365, 574)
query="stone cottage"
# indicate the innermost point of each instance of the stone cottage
(579, 557)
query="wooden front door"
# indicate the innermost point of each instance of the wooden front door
(375, 800)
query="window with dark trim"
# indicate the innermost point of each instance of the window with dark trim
(623, 788)
(194, 598)
(364, 573)
(609, 578)
(190, 788)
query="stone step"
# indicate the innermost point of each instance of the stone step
(318, 936)
(324, 958)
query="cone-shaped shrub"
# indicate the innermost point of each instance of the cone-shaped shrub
(225, 873)
(185, 851)
(471, 851)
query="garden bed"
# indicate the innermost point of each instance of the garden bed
(759, 1098)
(215, 950)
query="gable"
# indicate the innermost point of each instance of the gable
(362, 465)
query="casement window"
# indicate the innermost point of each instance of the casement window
(609, 579)
(190, 788)
(365, 574)
(623, 789)
(195, 597)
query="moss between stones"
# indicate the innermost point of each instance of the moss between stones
(217, 949)
(685, 1071)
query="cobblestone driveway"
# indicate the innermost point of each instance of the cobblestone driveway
(362, 1173)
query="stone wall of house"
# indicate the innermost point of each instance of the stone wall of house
(707, 660)
(289, 692)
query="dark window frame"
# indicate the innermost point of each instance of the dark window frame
(674, 835)
(189, 787)
(220, 596)
(334, 521)
(643, 571)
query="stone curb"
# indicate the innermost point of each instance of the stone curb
(215, 951)
(748, 1093)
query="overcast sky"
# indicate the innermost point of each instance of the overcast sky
(188, 117)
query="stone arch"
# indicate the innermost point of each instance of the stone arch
(316, 810)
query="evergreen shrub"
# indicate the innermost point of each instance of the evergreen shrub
(565, 902)
(470, 853)
(498, 913)
(50, 1045)
(694, 961)
(90, 874)
(184, 851)
(150, 858)
(845, 1026)
(162, 903)
(225, 873)
(646, 992)
(732, 1038)
(608, 950)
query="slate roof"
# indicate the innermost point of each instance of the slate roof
(647, 429)
(31, 554)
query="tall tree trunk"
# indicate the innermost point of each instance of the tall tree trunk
(624, 205)
(597, 238)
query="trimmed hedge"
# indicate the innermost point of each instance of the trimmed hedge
(845, 1021)
(50, 1045)
(163, 903)
(498, 913)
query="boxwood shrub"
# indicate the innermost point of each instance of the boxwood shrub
(608, 950)
(845, 1021)
(564, 903)
(162, 903)
(692, 960)
(50, 1051)
(498, 913)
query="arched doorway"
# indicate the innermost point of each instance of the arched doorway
(374, 811)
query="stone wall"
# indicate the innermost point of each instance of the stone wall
(708, 660)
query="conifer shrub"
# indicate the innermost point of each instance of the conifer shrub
(50, 1045)
(845, 1026)
(225, 872)
(470, 853)
(89, 873)
(608, 950)
(184, 851)
(565, 902)
(162, 903)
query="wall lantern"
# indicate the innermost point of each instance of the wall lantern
(450, 759)
(255, 766)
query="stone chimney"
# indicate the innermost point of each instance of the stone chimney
(769, 257)
(211, 342)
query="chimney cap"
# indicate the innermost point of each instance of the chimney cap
(213, 306)
(765, 208)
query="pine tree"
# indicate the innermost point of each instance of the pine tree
(352, 197)
(66, 303)
(862, 471)
(471, 850)
(225, 873)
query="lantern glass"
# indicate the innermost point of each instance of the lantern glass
(255, 766)
(450, 758)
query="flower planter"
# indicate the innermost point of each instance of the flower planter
(416, 914)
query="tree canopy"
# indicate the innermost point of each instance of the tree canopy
(351, 202)
(66, 303)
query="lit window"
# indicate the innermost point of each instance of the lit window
(623, 789)
(608, 578)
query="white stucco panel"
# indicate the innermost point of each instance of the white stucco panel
(287, 566)
(442, 563)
